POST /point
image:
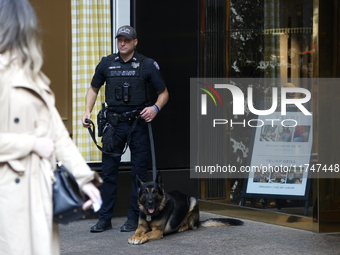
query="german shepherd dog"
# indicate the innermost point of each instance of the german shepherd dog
(164, 213)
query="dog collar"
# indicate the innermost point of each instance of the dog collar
(148, 217)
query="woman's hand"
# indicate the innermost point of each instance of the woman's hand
(44, 147)
(93, 193)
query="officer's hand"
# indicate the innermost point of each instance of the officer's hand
(86, 124)
(148, 113)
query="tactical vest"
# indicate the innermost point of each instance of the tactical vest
(124, 84)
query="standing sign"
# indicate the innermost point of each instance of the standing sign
(280, 157)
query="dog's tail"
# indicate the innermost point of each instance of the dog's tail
(220, 222)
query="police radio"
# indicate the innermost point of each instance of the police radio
(126, 92)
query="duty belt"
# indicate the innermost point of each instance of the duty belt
(126, 116)
(132, 117)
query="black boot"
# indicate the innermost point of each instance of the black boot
(101, 226)
(129, 226)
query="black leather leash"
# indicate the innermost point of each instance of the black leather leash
(92, 132)
(153, 156)
(152, 145)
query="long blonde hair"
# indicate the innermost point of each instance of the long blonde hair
(19, 35)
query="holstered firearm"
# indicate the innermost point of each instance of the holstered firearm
(101, 119)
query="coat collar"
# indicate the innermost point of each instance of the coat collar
(20, 80)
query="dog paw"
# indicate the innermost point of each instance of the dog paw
(136, 241)
(182, 229)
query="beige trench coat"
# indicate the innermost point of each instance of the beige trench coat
(27, 111)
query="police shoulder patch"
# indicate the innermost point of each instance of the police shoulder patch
(156, 65)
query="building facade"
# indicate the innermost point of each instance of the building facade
(274, 39)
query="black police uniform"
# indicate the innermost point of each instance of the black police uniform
(115, 72)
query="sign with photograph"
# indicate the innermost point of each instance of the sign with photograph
(281, 155)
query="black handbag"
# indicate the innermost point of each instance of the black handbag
(67, 200)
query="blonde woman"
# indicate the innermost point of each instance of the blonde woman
(32, 138)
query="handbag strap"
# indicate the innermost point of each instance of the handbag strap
(58, 166)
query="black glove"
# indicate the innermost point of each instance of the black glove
(108, 138)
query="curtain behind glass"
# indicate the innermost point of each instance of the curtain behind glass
(91, 40)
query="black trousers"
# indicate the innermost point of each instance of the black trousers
(140, 158)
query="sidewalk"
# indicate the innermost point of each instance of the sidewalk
(251, 238)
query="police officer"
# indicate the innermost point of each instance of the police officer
(127, 75)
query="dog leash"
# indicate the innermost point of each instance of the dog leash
(153, 156)
(152, 145)
(93, 136)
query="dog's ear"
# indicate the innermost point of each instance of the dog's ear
(159, 180)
